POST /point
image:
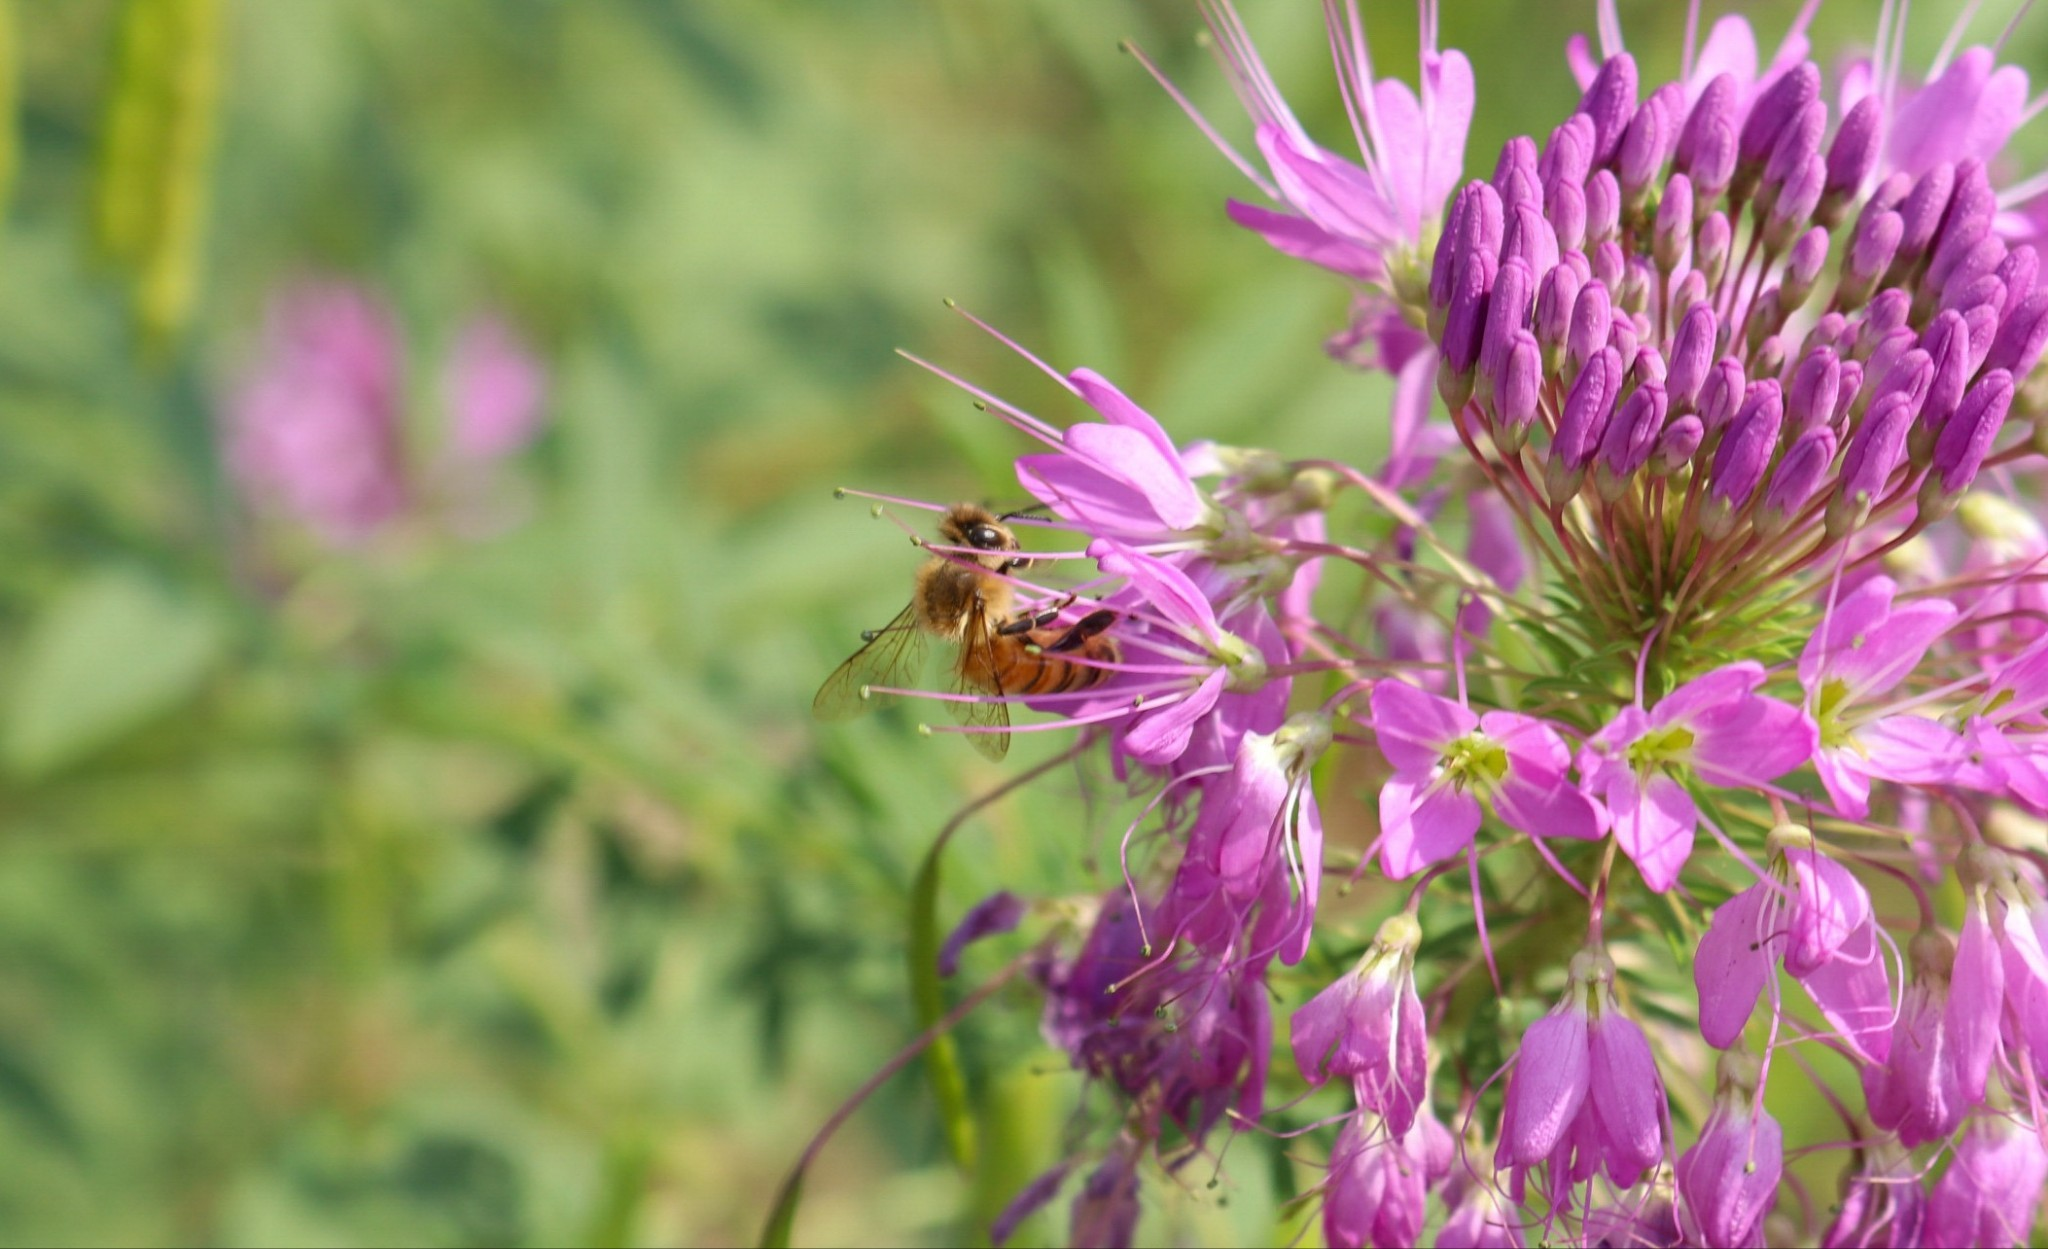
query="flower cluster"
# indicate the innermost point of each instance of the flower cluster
(1707, 658)
(314, 430)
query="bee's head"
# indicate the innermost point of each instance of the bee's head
(971, 526)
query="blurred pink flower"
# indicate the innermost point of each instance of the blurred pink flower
(495, 391)
(312, 430)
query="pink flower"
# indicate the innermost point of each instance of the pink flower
(1585, 1096)
(1378, 1187)
(313, 429)
(1221, 691)
(1728, 1180)
(1120, 477)
(1992, 1189)
(1815, 917)
(1358, 219)
(1254, 859)
(1883, 1205)
(1716, 729)
(1449, 764)
(1105, 1215)
(495, 391)
(1368, 1027)
(1944, 1040)
(1861, 651)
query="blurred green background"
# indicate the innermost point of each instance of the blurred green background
(483, 889)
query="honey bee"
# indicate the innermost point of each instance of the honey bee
(964, 600)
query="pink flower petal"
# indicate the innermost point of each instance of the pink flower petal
(1654, 823)
(1413, 726)
(1731, 966)
(1423, 824)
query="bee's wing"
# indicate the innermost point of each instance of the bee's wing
(979, 675)
(892, 657)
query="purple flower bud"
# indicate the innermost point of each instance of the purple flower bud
(1886, 313)
(2020, 337)
(1507, 311)
(1630, 437)
(1909, 373)
(1520, 388)
(1966, 439)
(1802, 267)
(994, 915)
(1690, 292)
(1795, 203)
(1569, 158)
(1982, 322)
(1777, 107)
(1797, 143)
(1706, 146)
(1556, 296)
(1921, 212)
(1530, 237)
(1610, 101)
(1766, 318)
(1587, 408)
(1744, 454)
(1815, 385)
(2017, 272)
(1947, 344)
(1592, 318)
(1608, 263)
(1720, 394)
(1871, 248)
(1643, 148)
(1826, 332)
(1891, 192)
(1874, 452)
(1464, 326)
(1623, 337)
(1851, 157)
(1845, 397)
(1971, 280)
(1444, 264)
(1710, 246)
(1521, 189)
(1564, 203)
(1729, 1180)
(1971, 206)
(1603, 207)
(1692, 352)
(1637, 280)
(1517, 153)
(1674, 223)
(1647, 366)
(1675, 447)
(1579, 264)
(1767, 359)
(1797, 478)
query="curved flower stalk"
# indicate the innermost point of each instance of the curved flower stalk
(1692, 639)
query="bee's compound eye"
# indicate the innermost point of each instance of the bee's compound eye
(985, 537)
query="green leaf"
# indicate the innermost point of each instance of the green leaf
(942, 1060)
(114, 651)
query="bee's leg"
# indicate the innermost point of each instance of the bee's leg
(1086, 627)
(1028, 621)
